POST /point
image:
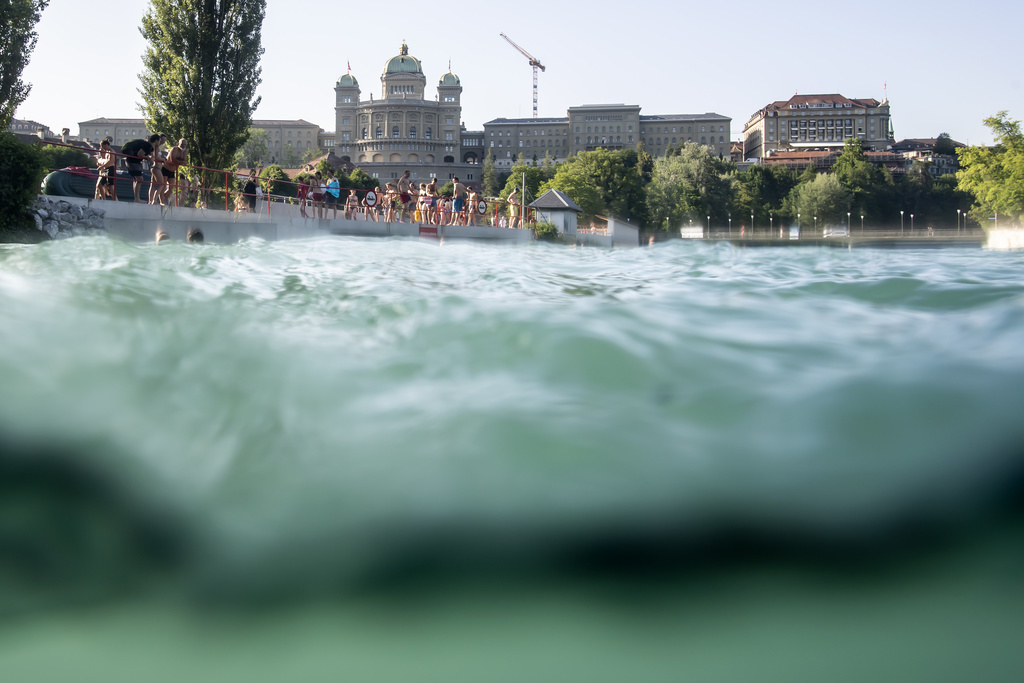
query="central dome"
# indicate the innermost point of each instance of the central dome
(403, 63)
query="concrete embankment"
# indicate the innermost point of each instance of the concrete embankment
(140, 223)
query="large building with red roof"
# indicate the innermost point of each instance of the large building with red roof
(817, 122)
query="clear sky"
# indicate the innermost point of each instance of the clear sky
(948, 65)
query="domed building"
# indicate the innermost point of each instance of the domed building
(403, 130)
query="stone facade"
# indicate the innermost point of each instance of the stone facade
(607, 126)
(817, 122)
(402, 129)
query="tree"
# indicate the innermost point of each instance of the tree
(579, 188)
(762, 191)
(858, 175)
(64, 157)
(824, 198)
(617, 176)
(944, 145)
(994, 176)
(18, 19)
(359, 180)
(688, 186)
(490, 181)
(282, 186)
(535, 177)
(255, 151)
(201, 71)
(21, 170)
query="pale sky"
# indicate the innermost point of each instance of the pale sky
(948, 65)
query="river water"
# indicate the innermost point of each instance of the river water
(418, 461)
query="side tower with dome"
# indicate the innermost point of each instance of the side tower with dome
(402, 129)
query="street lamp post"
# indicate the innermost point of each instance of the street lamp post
(815, 225)
(709, 226)
(771, 221)
(958, 221)
(751, 222)
(911, 225)
(730, 224)
(798, 222)
(862, 225)
(901, 223)
(848, 228)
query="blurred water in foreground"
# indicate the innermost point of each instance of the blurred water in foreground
(393, 460)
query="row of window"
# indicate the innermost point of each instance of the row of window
(396, 133)
(703, 140)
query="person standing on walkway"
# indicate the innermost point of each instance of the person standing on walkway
(136, 151)
(333, 192)
(513, 205)
(458, 202)
(106, 164)
(404, 193)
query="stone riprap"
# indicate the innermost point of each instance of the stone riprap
(61, 219)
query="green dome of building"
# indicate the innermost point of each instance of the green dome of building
(403, 63)
(348, 81)
(449, 79)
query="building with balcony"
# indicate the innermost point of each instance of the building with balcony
(817, 122)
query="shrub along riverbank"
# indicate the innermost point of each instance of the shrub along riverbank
(21, 171)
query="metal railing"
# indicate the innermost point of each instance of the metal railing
(371, 204)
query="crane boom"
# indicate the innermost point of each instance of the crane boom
(534, 62)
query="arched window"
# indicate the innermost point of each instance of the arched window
(703, 141)
(412, 131)
(380, 133)
(394, 131)
(449, 160)
(428, 132)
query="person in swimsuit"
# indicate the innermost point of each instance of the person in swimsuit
(404, 190)
(319, 189)
(177, 180)
(106, 164)
(351, 206)
(303, 192)
(513, 205)
(158, 184)
(458, 202)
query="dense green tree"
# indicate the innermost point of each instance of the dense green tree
(256, 149)
(275, 181)
(617, 176)
(21, 170)
(18, 19)
(944, 145)
(688, 186)
(62, 157)
(824, 198)
(858, 175)
(201, 69)
(359, 180)
(579, 188)
(994, 176)
(762, 191)
(535, 177)
(490, 180)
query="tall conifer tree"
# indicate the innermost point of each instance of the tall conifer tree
(201, 71)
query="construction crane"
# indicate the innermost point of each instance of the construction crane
(535, 63)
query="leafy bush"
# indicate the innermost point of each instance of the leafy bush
(546, 232)
(21, 171)
(54, 157)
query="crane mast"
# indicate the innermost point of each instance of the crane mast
(535, 63)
